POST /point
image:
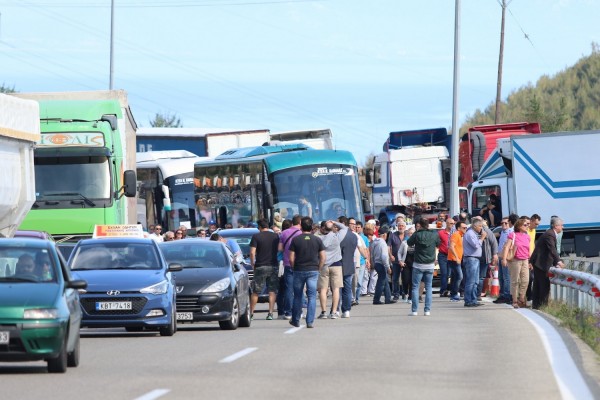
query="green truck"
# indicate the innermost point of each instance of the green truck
(84, 163)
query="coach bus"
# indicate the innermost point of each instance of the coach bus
(246, 184)
(166, 188)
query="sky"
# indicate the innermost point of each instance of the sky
(362, 68)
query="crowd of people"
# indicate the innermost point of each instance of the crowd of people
(298, 261)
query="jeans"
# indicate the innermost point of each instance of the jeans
(381, 285)
(359, 281)
(308, 278)
(346, 294)
(471, 265)
(407, 280)
(504, 276)
(418, 275)
(285, 296)
(456, 277)
(396, 288)
(443, 263)
(483, 268)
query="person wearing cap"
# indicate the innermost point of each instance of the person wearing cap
(380, 258)
(212, 227)
(425, 242)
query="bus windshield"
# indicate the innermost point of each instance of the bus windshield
(72, 178)
(322, 192)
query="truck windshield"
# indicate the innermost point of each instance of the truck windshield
(72, 178)
(328, 191)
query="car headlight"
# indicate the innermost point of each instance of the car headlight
(159, 288)
(41, 313)
(218, 286)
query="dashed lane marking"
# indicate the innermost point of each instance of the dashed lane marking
(238, 355)
(155, 394)
(294, 330)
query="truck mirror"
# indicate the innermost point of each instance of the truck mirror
(269, 200)
(366, 206)
(129, 187)
(111, 119)
(369, 177)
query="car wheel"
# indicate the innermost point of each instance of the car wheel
(234, 320)
(73, 357)
(170, 329)
(245, 319)
(59, 364)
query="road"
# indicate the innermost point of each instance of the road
(379, 353)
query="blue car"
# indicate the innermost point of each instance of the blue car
(129, 284)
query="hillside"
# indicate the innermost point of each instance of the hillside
(567, 101)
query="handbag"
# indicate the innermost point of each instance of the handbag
(511, 250)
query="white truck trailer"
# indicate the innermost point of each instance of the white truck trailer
(547, 174)
(19, 131)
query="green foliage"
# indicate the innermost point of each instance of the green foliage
(580, 322)
(568, 101)
(166, 121)
(6, 89)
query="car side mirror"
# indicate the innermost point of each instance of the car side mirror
(175, 267)
(76, 284)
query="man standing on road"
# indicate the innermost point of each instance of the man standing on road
(349, 246)
(489, 256)
(455, 256)
(331, 273)
(307, 257)
(364, 262)
(444, 235)
(263, 258)
(285, 241)
(472, 250)
(395, 239)
(425, 242)
(545, 256)
(380, 259)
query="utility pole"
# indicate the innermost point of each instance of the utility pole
(500, 60)
(454, 202)
(112, 45)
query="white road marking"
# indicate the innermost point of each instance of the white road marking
(570, 382)
(239, 354)
(294, 330)
(155, 394)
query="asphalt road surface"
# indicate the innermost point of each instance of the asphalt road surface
(379, 353)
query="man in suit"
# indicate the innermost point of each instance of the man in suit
(545, 256)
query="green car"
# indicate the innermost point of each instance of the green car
(39, 305)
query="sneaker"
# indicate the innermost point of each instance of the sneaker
(294, 324)
(309, 325)
(396, 298)
(288, 317)
(334, 315)
(302, 316)
(251, 317)
(346, 314)
(427, 313)
(478, 298)
(354, 303)
(269, 317)
(323, 315)
(413, 314)
(403, 297)
(454, 298)
(408, 300)
(281, 317)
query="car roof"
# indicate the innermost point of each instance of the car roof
(116, 240)
(25, 242)
(195, 241)
(34, 234)
(237, 232)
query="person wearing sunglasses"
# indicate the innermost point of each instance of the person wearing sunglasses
(157, 234)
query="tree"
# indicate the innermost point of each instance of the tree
(166, 121)
(6, 89)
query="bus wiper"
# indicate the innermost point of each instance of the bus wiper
(87, 201)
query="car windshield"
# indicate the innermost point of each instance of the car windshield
(22, 264)
(242, 241)
(102, 256)
(195, 255)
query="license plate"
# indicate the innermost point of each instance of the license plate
(4, 337)
(185, 316)
(113, 305)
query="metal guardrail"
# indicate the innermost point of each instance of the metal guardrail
(575, 286)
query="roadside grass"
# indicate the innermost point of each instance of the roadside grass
(582, 323)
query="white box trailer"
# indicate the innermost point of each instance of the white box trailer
(548, 174)
(19, 131)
